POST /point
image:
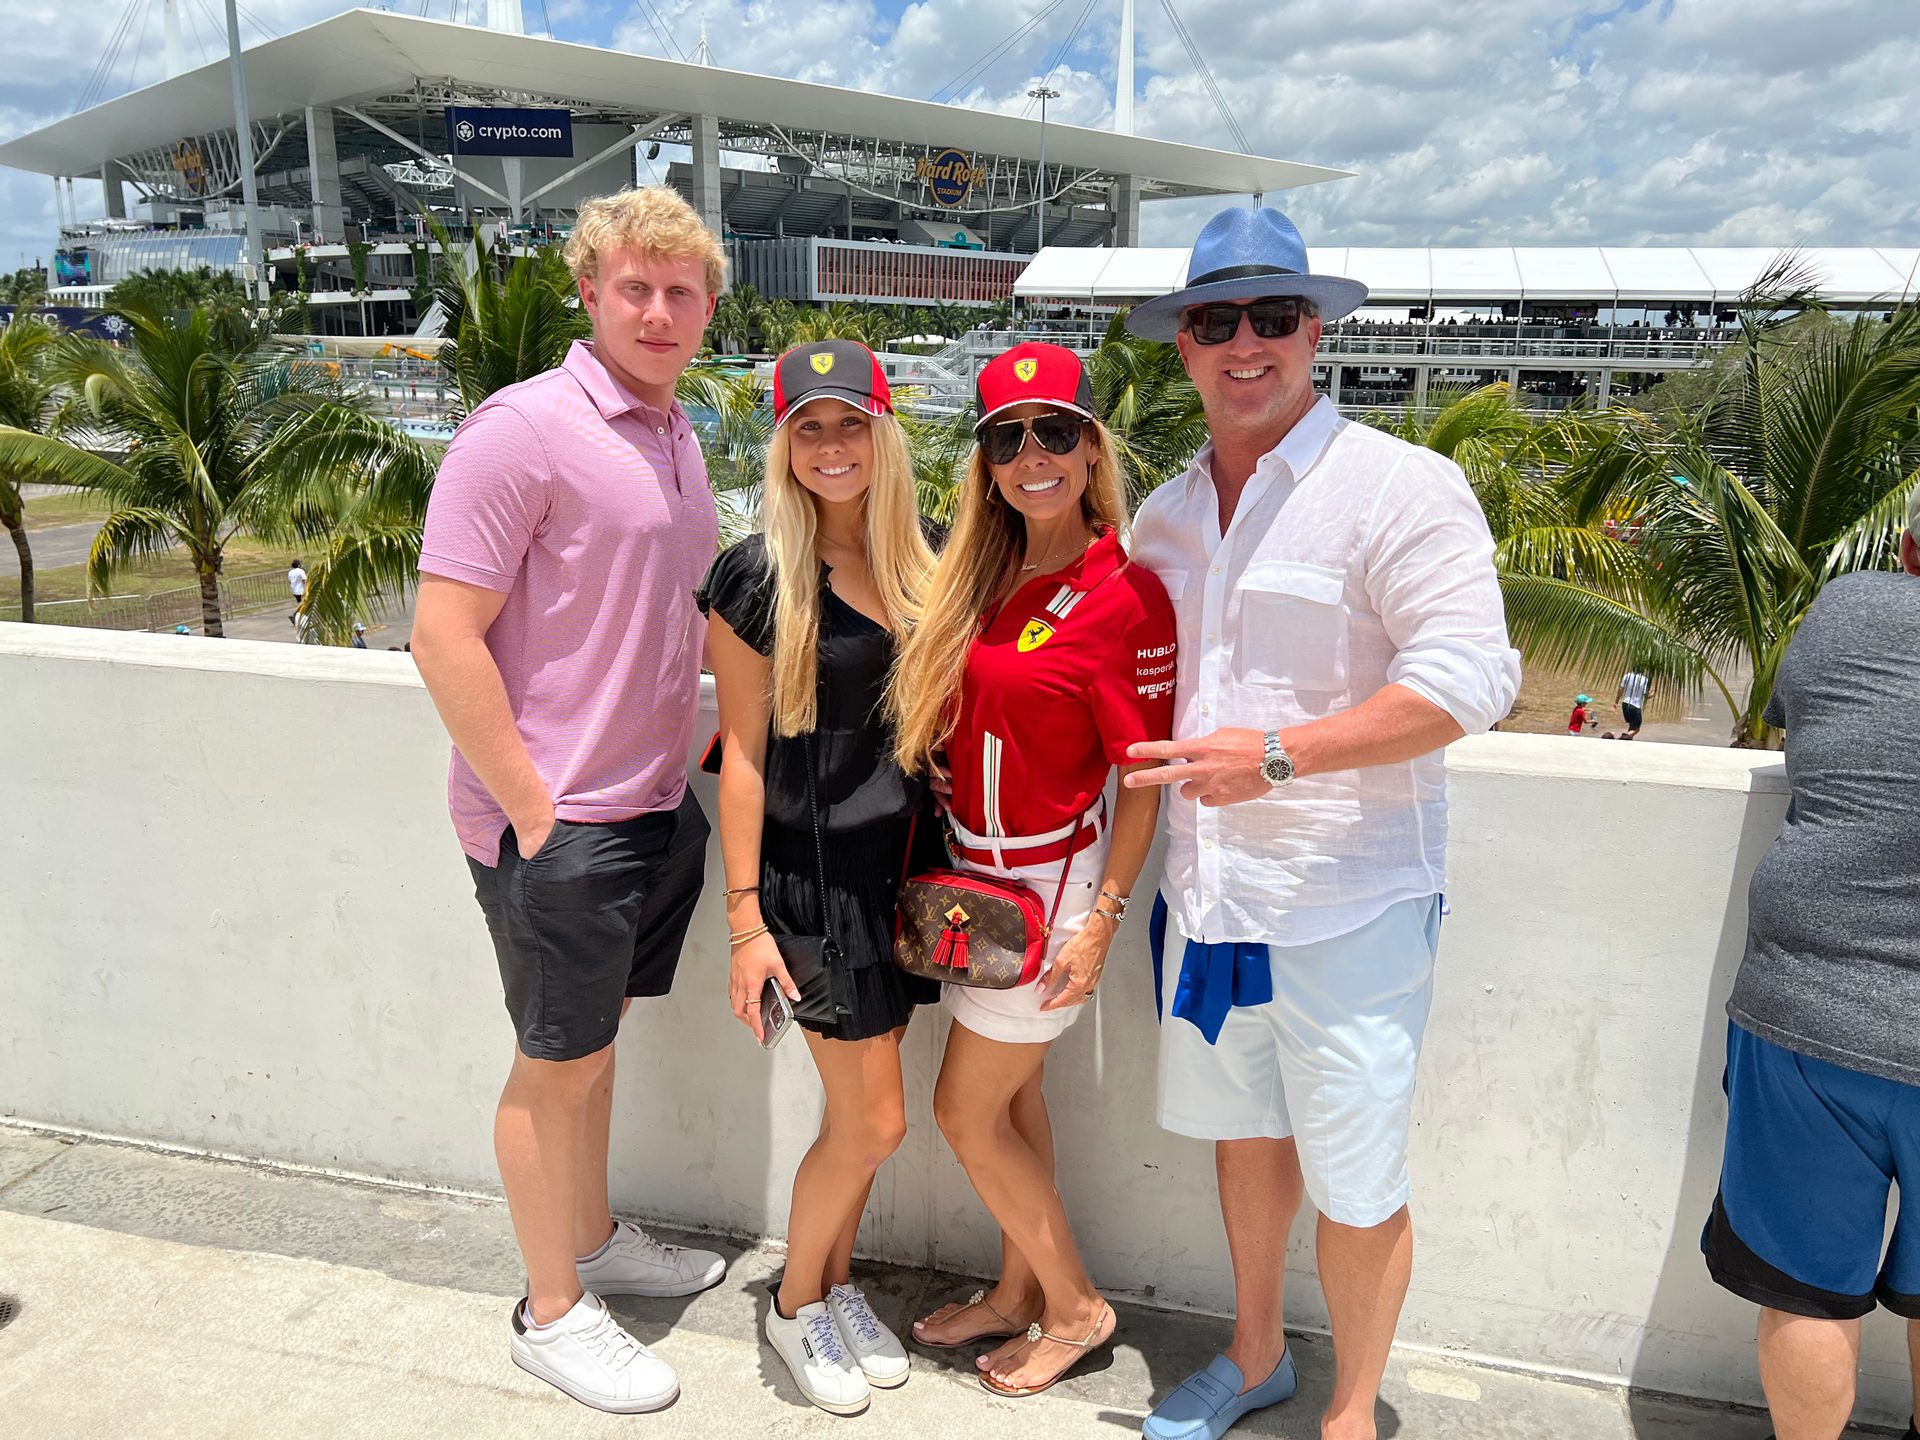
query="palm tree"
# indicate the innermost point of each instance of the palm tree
(27, 402)
(511, 317)
(1796, 470)
(202, 411)
(1150, 405)
(735, 318)
(1564, 574)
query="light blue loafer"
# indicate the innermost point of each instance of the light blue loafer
(1209, 1401)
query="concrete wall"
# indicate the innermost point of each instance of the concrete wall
(233, 916)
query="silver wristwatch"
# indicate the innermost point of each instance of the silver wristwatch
(1277, 768)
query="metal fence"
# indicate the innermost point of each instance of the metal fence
(164, 609)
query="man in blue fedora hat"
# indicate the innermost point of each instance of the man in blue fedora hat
(1340, 623)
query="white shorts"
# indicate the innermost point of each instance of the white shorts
(1329, 1061)
(1014, 1016)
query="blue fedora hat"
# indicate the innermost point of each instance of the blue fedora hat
(1245, 254)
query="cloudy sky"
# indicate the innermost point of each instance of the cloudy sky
(1467, 122)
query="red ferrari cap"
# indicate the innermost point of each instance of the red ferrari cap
(832, 370)
(1030, 372)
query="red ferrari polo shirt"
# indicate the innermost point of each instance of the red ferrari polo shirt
(1072, 669)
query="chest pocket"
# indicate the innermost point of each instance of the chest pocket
(1293, 627)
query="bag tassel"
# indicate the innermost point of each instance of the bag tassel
(951, 952)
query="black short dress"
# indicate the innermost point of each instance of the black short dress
(868, 805)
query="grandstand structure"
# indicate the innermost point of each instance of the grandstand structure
(364, 123)
(1561, 324)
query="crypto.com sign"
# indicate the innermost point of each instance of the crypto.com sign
(486, 130)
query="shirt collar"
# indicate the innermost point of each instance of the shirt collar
(1094, 564)
(609, 396)
(1299, 449)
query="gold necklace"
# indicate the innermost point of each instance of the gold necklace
(1049, 553)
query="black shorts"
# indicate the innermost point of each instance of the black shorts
(1632, 712)
(597, 915)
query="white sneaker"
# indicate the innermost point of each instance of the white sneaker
(810, 1344)
(877, 1350)
(634, 1263)
(587, 1354)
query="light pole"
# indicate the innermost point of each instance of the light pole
(1043, 94)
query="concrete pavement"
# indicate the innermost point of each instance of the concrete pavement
(54, 546)
(160, 1295)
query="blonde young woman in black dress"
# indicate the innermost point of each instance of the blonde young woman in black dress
(806, 617)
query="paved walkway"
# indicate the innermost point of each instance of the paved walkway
(54, 546)
(162, 1296)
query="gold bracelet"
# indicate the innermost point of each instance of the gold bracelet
(737, 940)
(741, 890)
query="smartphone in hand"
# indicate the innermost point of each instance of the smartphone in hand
(776, 1014)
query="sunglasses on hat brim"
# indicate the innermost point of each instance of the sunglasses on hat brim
(1219, 321)
(1057, 433)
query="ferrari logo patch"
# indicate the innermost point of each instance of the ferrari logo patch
(1025, 369)
(1037, 633)
(821, 363)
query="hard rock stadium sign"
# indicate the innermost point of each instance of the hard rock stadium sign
(950, 176)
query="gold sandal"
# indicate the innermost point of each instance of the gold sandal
(979, 1297)
(1108, 1320)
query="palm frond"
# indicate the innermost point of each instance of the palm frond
(126, 535)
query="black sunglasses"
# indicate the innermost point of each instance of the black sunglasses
(1001, 441)
(1218, 323)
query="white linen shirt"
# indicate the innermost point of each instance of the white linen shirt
(1354, 561)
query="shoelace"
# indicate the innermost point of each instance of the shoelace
(656, 1249)
(865, 1322)
(826, 1339)
(608, 1342)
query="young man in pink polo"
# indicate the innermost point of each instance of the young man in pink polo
(556, 631)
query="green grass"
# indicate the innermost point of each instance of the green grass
(244, 556)
(46, 511)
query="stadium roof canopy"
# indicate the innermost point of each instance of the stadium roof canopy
(367, 57)
(1610, 275)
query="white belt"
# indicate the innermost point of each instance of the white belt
(1001, 846)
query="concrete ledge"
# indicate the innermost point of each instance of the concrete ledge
(237, 921)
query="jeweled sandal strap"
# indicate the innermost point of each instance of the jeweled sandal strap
(979, 1297)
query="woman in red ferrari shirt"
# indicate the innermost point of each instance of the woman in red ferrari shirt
(1041, 655)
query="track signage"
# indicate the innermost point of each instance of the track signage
(491, 130)
(950, 176)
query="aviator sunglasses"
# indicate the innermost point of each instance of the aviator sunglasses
(1218, 323)
(1001, 441)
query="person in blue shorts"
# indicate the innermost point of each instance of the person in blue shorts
(1823, 1039)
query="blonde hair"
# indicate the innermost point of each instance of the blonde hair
(987, 533)
(897, 557)
(655, 220)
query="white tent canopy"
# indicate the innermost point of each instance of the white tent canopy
(1607, 276)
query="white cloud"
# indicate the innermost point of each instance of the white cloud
(1472, 122)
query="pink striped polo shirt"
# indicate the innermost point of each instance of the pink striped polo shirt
(591, 511)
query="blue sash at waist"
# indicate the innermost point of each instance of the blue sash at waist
(1213, 978)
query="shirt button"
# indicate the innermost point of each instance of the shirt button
(1213, 639)
(1216, 570)
(1206, 709)
(1206, 844)
(659, 429)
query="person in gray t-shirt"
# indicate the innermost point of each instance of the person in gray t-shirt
(1823, 1044)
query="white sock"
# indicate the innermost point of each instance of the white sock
(526, 1318)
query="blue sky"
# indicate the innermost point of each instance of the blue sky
(1467, 122)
